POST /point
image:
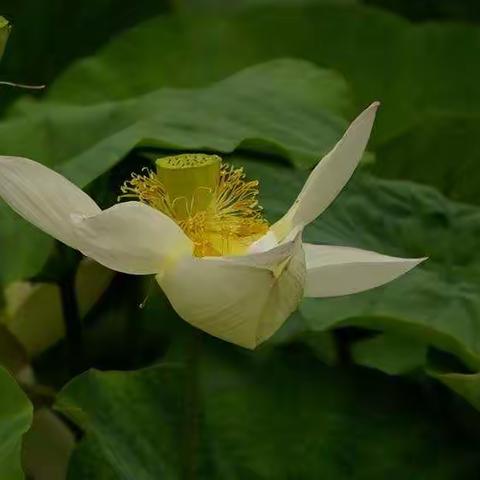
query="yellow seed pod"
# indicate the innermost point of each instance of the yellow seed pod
(190, 180)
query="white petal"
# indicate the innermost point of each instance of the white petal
(269, 241)
(263, 244)
(330, 175)
(43, 197)
(334, 271)
(132, 237)
(242, 300)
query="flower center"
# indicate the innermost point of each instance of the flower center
(190, 181)
(211, 201)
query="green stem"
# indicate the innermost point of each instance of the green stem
(22, 85)
(192, 408)
(73, 324)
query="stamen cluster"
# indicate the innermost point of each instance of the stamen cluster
(228, 226)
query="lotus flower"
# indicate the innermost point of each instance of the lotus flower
(196, 225)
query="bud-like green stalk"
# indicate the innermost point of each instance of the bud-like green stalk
(190, 181)
(5, 28)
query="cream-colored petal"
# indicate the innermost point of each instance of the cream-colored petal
(243, 300)
(43, 197)
(133, 238)
(334, 271)
(330, 175)
(264, 243)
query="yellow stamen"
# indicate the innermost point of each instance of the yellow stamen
(211, 201)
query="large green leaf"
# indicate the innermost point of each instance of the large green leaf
(96, 402)
(442, 150)
(87, 461)
(383, 56)
(391, 353)
(417, 71)
(16, 415)
(229, 415)
(27, 245)
(466, 385)
(285, 106)
(437, 303)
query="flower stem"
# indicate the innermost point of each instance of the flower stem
(192, 407)
(22, 85)
(73, 324)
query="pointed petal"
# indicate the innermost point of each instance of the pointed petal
(131, 237)
(330, 175)
(334, 271)
(242, 300)
(43, 197)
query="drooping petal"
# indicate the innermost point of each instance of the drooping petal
(333, 271)
(131, 237)
(330, 175)
(43, 197)
(242, 300)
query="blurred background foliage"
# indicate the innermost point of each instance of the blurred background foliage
(383, 384)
